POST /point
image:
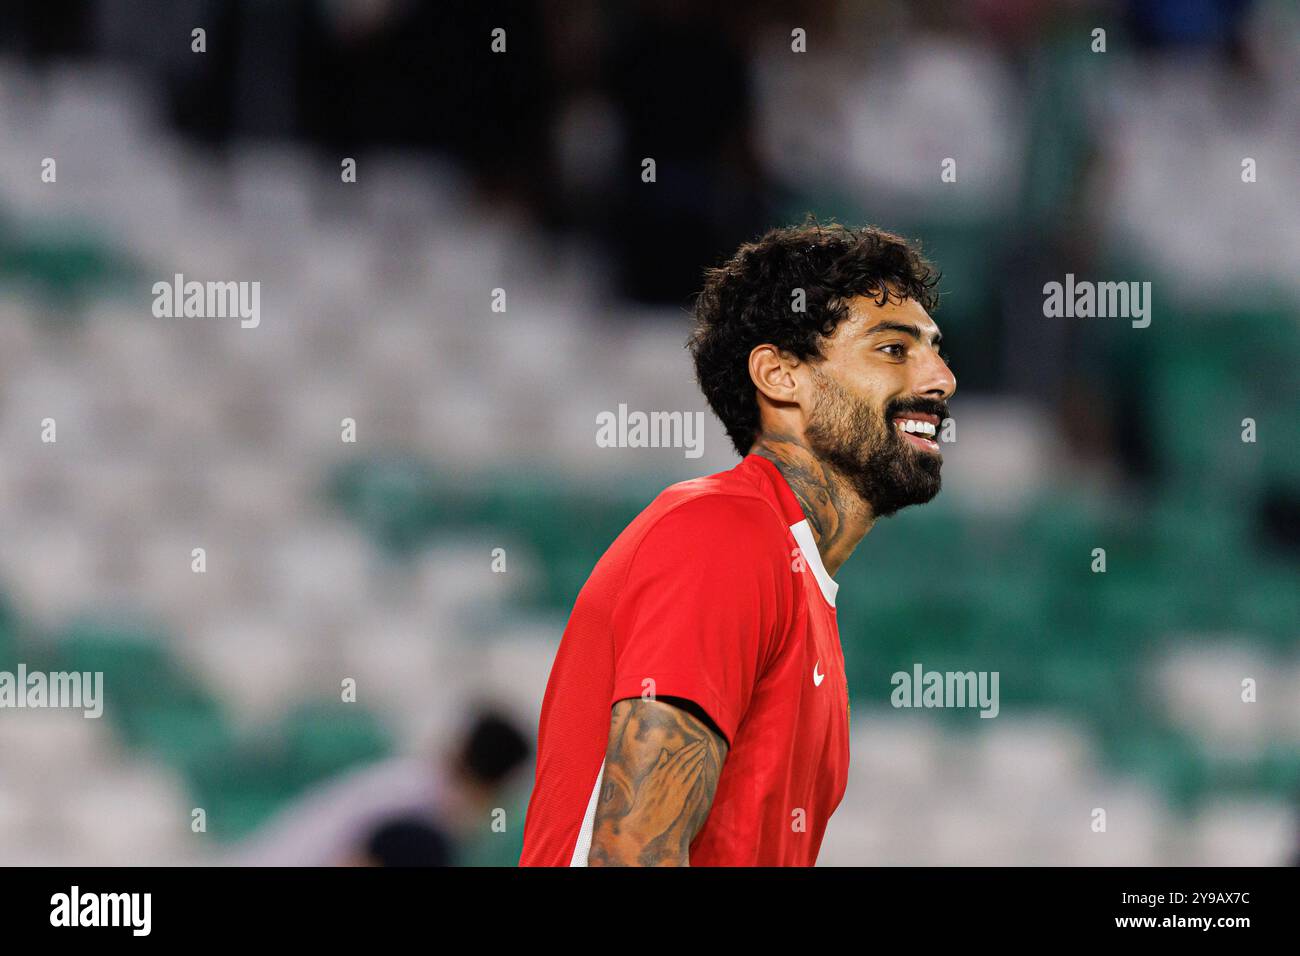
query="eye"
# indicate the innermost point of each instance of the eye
(902, 350)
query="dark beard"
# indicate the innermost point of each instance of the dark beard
(865, 448)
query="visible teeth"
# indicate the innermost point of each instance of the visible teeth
(916, 427)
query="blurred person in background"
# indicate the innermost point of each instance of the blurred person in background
(406, 811)
(404, 842)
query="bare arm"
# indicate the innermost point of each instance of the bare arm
(661, 773)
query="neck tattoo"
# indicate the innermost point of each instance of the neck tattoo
(837, 516)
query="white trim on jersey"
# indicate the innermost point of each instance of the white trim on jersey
(803, 536)
(582, 847)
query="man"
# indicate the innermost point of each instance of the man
(697, 711)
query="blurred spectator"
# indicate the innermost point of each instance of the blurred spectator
(407, 842)
(402, 809)
(679, 79)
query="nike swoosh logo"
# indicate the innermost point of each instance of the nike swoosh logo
(818, 678)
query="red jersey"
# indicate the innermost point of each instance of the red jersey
(715, 593)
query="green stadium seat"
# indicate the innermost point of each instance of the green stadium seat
(323, 739)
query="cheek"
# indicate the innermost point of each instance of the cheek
(874, 388)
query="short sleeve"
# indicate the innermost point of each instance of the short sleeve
(702, 605)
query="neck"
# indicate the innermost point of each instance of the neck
(838, 516)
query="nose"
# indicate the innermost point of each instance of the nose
(936, 379)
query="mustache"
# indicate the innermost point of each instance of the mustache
(922, 406)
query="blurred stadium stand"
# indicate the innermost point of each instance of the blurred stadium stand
(476, 429)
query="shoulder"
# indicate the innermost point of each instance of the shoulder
(707, 516)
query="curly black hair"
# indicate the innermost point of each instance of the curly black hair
(749, 300)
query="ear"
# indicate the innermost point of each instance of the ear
(772, 372)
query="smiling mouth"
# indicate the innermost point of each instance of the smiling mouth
(919, 430)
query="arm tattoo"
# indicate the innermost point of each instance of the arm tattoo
(661, 773)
